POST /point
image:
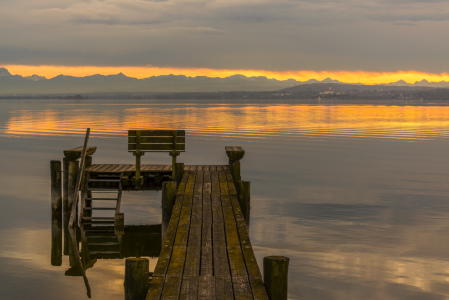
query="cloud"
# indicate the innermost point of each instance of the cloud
(255, 34)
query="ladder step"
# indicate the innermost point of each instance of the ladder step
(98, 218)
(105, 180)
(102, 190)
(103, 252)
(99, 222)
(102, 199)
(104, 244)
(99, 208)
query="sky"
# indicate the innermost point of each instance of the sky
(200, 37)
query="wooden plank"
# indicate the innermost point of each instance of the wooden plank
(223, 288)
(157, 132)
(189, 288)
(219, 168)
(75, 153)
(241, 287)
(236, 261)
(155, 289)
(172, 287)
(206, 287)
(176, 266)
(255, 277)
(157, 140)
(167, 245)
(157, 147)
(193, 257)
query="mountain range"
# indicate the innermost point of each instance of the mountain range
(120, 83)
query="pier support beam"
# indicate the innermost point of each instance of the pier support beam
(56, 187)
(168, 201)
(179, 172)
(136, 278)
(244, 196)
(72, 177)
(275, 276)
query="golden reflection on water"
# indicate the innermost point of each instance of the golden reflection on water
(256, 121)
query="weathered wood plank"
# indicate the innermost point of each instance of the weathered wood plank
(242, 289)
(223, 288)
(236, 261)
(75, 153)
(184, 190)
(206, 287)
(157, 132)
(189, 288)
(172, 287)
(157, 147)
(157, 139)
(155, 289)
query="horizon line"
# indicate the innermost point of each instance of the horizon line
(355, 77)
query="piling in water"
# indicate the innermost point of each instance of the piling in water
(244, 196)
(168, 201)
(136, 278)
(56, 186)
(72, 177)
(275, 276)
(56, 239)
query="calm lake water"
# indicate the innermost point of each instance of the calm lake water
(356, 195)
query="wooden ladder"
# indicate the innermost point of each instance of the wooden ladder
(101, 194)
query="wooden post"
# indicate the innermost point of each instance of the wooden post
(235, 154)
(136, 278)
(168, 201)
(56, 238)
(179, 172)
(119, 224)
(244, 196)
(235, 170)
(275, 276)
(56, 187)
(65, 190)
(73, 175)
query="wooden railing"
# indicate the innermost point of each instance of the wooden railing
(78, 181)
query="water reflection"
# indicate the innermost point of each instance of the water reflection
(227, 120)
(87, 245)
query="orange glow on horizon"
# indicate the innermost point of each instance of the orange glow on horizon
(304, 75)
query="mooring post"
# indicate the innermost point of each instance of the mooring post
(73, 175)
(65, 183)
(179, 172)
(244, 196)
(56, 187)
(56, 238)
(136, 278)
(119, 224)
(235, 154)
(275, 276)
(168, 201)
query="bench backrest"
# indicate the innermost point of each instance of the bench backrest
(156, 140)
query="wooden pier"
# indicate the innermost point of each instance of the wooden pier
(206, 251)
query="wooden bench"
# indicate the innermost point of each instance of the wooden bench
(141, 141)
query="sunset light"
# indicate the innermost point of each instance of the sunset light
(303, 75)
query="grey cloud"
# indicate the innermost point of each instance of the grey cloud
(259, 34)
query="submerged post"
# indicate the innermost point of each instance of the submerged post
(56, 238)
(244, 196)
(275, 276)
(56, 187)
(136, 278)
